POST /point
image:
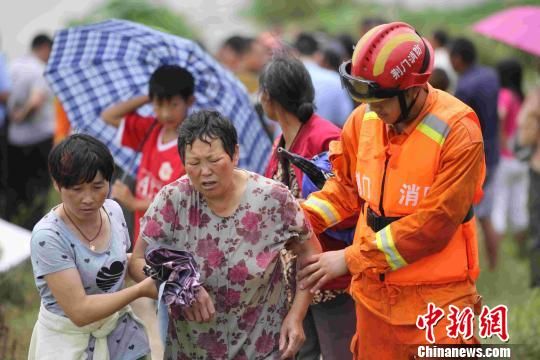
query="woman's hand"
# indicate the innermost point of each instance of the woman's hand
(202, 309)
(318, 269)
(291, 336)
(148, 288)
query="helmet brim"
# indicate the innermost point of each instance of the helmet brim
(362, 90)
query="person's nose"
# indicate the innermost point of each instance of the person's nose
(164, 113)
(206, 170)
(88, 197)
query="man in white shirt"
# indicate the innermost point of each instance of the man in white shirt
(30, 132)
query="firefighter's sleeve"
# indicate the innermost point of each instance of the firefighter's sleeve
(338, 199)
(429, 229)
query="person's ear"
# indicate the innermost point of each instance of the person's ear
(56, 186)
(236, 155)
(190, 101)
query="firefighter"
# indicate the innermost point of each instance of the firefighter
(411, 160)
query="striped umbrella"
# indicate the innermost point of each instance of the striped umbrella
(94, 66)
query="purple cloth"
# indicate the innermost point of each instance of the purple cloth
(179, 271)
(478, 87)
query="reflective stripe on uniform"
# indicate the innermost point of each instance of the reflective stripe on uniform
(370, 115)
(324, 209)
(434, 128)
(385, 243)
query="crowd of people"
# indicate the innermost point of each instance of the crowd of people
(422, 141)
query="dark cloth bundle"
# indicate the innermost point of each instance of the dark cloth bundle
(175, 271)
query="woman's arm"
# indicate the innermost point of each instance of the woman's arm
(82, 309)
(292, 332)
(137, 262)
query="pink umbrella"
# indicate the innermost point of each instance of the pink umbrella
(518, 27)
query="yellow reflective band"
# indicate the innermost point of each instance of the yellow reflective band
(323, 208)
(370, 115)
(434, 128)
(383, 55)
(429, 132)
(385, 243)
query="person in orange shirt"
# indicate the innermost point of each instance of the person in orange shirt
(62, 128)
(411, 160)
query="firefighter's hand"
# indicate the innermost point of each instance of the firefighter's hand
(318, 269)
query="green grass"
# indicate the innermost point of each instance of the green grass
(508, 285)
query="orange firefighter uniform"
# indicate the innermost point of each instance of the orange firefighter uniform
(415, 240)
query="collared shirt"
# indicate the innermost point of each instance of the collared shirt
(27, 76)
(332, 101)
(478, 87)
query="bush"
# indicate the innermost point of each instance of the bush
(141, 11)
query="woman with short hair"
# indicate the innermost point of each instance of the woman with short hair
(78, 253)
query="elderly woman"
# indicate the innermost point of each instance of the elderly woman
(235, 223)
(78, 253)
(287, 97)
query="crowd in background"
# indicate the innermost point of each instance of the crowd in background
(29, 115)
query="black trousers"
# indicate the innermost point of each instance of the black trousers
(28, 182)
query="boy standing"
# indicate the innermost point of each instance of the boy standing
(170, 91)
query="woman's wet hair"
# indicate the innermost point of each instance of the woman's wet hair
(78, 159)
(287, 82)
(207, 125)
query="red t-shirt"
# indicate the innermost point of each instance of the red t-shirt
(160, 163)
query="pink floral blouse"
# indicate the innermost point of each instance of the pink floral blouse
(239, 261)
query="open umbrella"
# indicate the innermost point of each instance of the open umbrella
(518, 27)
(94, 66)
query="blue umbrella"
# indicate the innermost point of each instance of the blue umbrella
(94, 66)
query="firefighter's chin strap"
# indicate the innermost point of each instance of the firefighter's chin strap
(405, 110)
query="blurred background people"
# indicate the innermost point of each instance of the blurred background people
(331, 100)
(439, 79)
(245, 57)
(478, 87)
(30, 132)
(511, 179)
(529, 135)
(369, 23)
(440, 41)
(4, 94)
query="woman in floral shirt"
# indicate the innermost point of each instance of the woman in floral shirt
(235, 223)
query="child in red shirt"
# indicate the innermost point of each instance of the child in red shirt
(170, 91)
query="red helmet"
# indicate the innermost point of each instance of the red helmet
(388, 59)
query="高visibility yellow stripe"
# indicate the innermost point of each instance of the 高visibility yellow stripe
(385, 243)
(383, 55)
(429, 132)
(323, 208)
(434, 128)
(370, 115)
